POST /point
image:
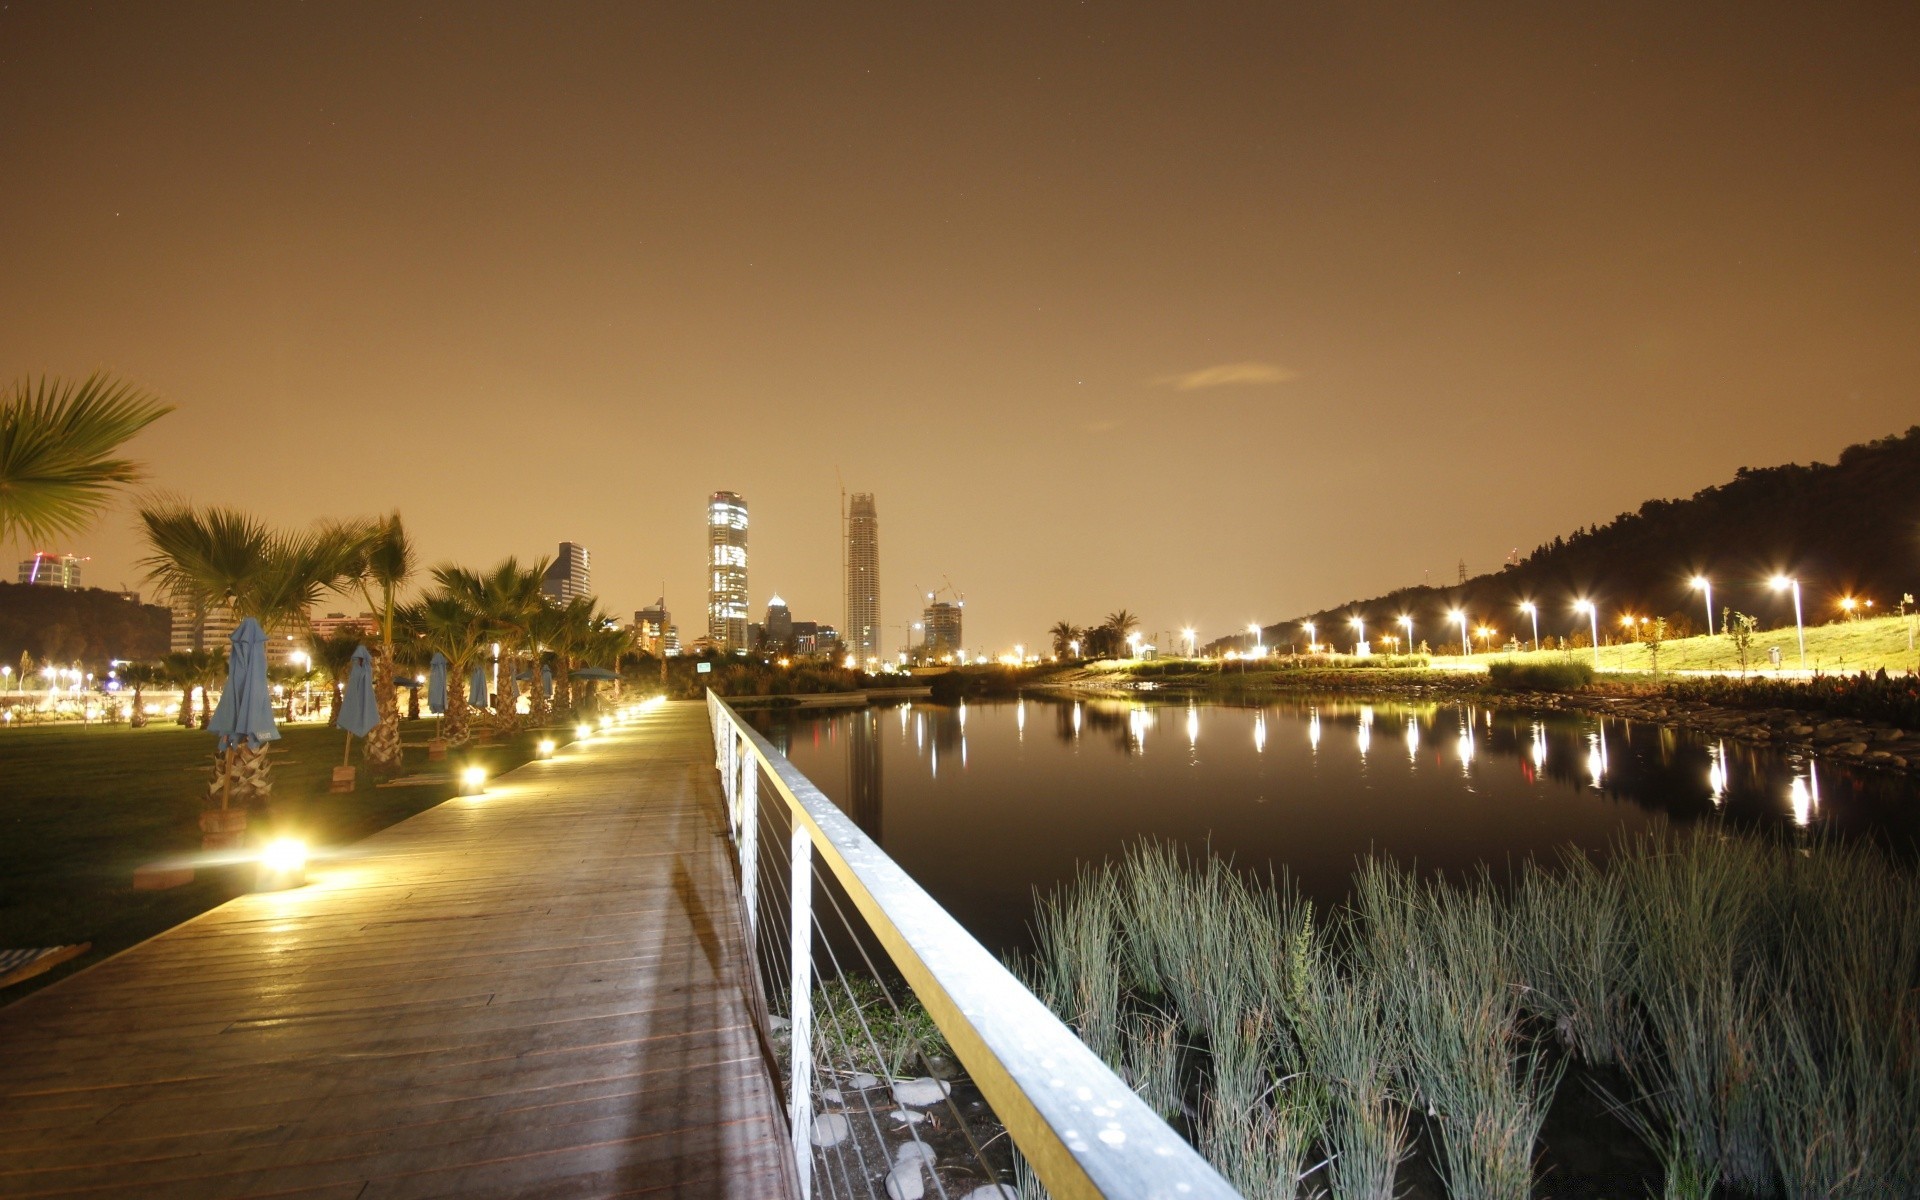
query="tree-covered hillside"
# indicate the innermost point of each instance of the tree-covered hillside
(88, 624)
(1850, 528)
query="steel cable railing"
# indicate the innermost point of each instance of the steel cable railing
(855, 961)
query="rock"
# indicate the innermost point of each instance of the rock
(907, 1182)
(914, 1152)
(863, 1081)
(1799, 731)
(833, 1096)
(993, 1191)
(830, 1129)
(778, 1024)
(908, 1117)
(942, 1067)
(918, 1093)
(1851, 749)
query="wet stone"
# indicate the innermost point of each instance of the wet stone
(919, 1093)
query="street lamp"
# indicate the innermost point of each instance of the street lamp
(1532, 612)
(1189, 635)
(1312, 646)
(1406, 622)
(1701, 583)
(1593, 619)
(1360, 636)
(1259, 651)
(1781, 583)
(1466, 642)
(1486, 639)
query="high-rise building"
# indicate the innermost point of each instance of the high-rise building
(570, 576)
(943, 628)
(198, 627)
(778, 626)
(863, 579)
(656, 629)
(727, 571)
(51, 570)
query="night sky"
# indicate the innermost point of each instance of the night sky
(1217, 313)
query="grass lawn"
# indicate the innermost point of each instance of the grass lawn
(81, 808)
(1843, 647)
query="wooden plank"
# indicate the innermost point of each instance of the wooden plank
(540, 991)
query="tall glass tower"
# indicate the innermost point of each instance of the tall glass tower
(862, 629)
(727, 571)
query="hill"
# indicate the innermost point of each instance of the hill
(88, 624)
(1846, 529)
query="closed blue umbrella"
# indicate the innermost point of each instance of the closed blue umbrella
(477, 687)
(437, 683)
(594, 673)
(360, 712)
(245, 711)
(246, 705)
(546, 682)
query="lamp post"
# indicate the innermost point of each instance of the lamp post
(1312, 646)
(1781, 583)
(1360, 636)
(1189, 635)
(1466, 640)
(1259, 651)
(1593, 619)
(1533, 613)
(1701, 583)
(1406, 622)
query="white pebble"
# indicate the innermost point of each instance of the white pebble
(906, 1182)
(863, 1081)
(908, 1118)
(830, 1129)
(993, 1191)
(921, 1092)
(914, 1152)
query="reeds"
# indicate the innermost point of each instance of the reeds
(1763, 1001)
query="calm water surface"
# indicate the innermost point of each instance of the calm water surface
(984, 802)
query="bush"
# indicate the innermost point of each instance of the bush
(1893, 699)
(1568, 676)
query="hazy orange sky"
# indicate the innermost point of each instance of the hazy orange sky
(1213, 312)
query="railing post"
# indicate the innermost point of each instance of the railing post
(749, 843)
(800, 1089)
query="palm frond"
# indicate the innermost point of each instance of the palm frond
(57, 469)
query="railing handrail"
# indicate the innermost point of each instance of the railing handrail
(1085, 1132)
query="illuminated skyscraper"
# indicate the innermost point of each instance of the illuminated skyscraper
(942, 619)
(727, 571)
(862, 628)
(570, 576)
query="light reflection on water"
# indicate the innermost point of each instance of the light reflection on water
(987, 801)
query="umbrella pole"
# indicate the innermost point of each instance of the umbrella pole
(346, 759)
(226, 780)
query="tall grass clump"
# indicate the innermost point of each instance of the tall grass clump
(1762, 1004)
(1566, 675)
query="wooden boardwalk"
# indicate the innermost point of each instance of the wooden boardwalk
(537, 992)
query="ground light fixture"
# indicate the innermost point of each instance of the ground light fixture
(473, 781)
(606, 722)
(582, 732)
(1593, 619)
(282, 865)
(1700, 583)
(1781, 583)
(544, 749)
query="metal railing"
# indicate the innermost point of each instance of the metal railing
(1080, 1128)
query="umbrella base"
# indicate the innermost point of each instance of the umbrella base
(343, 779)
(436, 749)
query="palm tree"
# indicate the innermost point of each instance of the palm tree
(56, 445)
(564, 630)
(444, 623)
(219, 556)
(1122, 623)
(379, 561)
(333, 657)
(139, 677)
(509, 601)
(1064, 635)
(196, 669)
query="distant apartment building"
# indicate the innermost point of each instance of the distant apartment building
(727, 571)
(570, 576)
(943, 634)
(656, 630)
(863, 578)
(198, 627)
(364, 625)
(46, 569)
(812, 639)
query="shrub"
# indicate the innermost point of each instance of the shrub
(1569, 675)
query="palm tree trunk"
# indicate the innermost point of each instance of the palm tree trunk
(454, 726)
(139, 718)
(506, 696)
(537, 705)
(382, 747)
(185, 717)
(206, 705)
(334, 700)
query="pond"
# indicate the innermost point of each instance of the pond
(985, 802)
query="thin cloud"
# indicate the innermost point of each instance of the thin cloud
(1240, 374)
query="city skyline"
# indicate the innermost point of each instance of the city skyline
(1215, 319)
